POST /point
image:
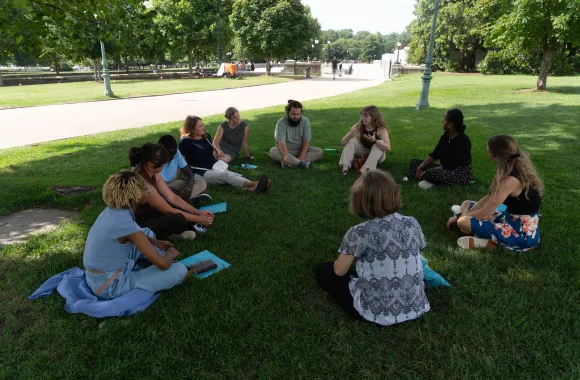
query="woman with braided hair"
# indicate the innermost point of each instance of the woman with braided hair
(517, 185)
(116, 243)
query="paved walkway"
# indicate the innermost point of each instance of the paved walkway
(24, 126)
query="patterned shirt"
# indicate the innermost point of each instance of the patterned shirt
(389, 288)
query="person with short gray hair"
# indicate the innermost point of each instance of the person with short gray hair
(232, 135)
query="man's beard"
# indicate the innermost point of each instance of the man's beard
(294, 123)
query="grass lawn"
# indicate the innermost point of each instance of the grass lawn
(514, 315)
(43, 94)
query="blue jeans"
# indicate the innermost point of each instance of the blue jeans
(132, 276)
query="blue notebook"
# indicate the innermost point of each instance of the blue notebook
(205, 255)
(217, 208)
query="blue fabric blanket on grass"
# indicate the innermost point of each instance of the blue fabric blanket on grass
(432, 278)
(71, 284)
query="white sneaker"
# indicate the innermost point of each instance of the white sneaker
(470, 242)
(426, 185)
(456, 209)
(186, 235)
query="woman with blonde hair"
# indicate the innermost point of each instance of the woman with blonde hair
(198, 150)
(387, 287)
(231, 136)
(116, 242)
(517, 185)
(368, 138)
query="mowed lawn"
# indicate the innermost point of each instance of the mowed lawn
(55, 93)
(513, 315)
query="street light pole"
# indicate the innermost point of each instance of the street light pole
(424, 100)
(219, 32)
(398, 49)
(106, 75)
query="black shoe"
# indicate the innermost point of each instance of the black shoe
(200, 200)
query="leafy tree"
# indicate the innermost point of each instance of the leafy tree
(187, 25)
(371, 47)
(547, 24)
(457, 37)
(273, 28)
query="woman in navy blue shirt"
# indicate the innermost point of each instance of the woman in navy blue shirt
(454, 153)
(196, 147)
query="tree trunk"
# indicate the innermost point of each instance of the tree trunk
(268, 67)
(56, 65)
(127, 64)
(96, 70)
(1, 79)
(547, 55)
(189, 63)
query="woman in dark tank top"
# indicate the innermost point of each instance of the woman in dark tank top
(517, 185)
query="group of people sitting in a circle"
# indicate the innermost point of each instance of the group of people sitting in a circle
(127, 247)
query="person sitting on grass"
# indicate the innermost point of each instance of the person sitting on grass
(293, 134)
(189, 191)
(454, 153)
(163, 211)
(232, 135)
(517, 185)
(196, 147)
(372, 143)
(387, 287)
(116, 242)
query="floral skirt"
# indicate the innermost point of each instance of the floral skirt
(514, 232)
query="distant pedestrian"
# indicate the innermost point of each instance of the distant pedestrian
(334, 63)
(252, 65)
(340, 69)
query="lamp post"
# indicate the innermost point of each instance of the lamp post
(328, 44)
(315, 43)
(424, 99)
(106, 75)
(398, 49)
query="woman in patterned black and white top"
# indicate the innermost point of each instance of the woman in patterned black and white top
(232, 135)
(388, 285)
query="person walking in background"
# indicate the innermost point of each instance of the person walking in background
(334, 64)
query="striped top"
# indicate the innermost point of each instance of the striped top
(232, 138)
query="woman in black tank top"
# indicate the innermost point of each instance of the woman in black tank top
(508, 215)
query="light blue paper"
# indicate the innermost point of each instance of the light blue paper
(502, 207)
(205, 255)
(249, 166)
(216, 209)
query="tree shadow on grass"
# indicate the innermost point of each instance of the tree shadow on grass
(273, 242)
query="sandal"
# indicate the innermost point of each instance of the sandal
(470, 242)
(261, 186)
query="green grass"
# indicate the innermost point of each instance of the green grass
(44, 94)
(514, 315)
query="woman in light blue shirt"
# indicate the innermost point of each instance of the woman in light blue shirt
(116, 242)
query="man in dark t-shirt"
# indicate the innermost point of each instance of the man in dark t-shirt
(334, 67)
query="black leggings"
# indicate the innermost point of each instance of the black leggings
(337, 287)
(165, 225)
(438, 176)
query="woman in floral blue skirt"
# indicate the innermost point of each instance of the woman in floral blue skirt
(517, 185)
